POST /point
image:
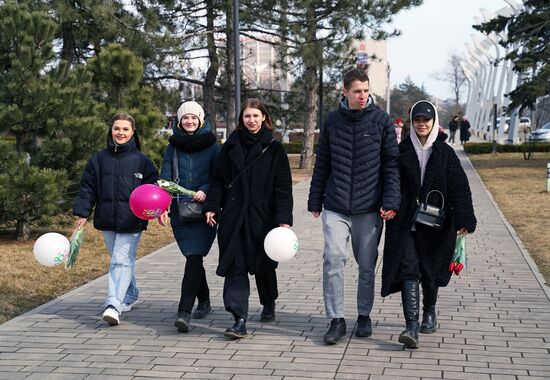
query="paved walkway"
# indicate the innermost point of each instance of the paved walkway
(494, 322)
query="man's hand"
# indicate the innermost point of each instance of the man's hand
(387, 214)
(315, 214)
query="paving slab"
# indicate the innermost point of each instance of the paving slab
(494, 321)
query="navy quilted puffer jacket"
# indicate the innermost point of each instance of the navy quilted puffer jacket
(356, 169)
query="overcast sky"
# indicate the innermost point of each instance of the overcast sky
(430, 33)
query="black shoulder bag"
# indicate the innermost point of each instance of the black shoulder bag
(430, 214)
(188, 211)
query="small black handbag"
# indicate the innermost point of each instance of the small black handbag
(430, 214)
(188, 211)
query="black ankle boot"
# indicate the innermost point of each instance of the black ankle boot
(336, 331)
(202, 310)
(182, 322)
(268, 313)
(410, 299)
(429, 319)
(364, 326)
(238, 330)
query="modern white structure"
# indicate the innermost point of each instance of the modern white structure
(490, 77)
(375, 55)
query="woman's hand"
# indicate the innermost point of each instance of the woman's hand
(164, 219)
(200, 196)
(79, 223)
(387, 214)
(284, 225)
(462, 231)
(315, 214)
(210, 218)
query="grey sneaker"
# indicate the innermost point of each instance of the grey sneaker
(128, 306)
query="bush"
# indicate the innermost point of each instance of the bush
(487, 147)
(295, 147)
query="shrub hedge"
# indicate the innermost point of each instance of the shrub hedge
(487, 147)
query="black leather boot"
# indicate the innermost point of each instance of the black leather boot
(202, 310)
(182, 322)
(364, 326)
(336, 331)
(429, 319)
(238, 330)
(268, 313)
(410, 299)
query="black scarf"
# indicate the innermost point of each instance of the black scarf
(192, 143)
(250, 140)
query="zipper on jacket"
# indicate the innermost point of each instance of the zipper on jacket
(113, 204)
(352, 168)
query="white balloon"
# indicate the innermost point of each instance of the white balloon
(51, 249)
(281, 244)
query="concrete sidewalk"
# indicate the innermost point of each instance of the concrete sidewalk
(494, 322)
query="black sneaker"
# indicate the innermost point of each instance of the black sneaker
(336, 331)
(182, 322)
(364, 326)
(268, 313)
(202, 310)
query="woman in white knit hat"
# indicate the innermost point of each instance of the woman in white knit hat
(192, 151)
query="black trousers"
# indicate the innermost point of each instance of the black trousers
(193, 284)
(236, 288)
(410, 264)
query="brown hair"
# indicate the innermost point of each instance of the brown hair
(353, 75)
(256, 103)
(127, 117)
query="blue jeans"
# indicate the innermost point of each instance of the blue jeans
(361, 233)
(122, 248)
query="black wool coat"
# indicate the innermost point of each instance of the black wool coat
(435, 247)
(259, 200)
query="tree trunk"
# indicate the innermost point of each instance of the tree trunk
(68, 48)
(212, 72)
(312, 86)
(311, 101)
(230, 68)
(23, 230)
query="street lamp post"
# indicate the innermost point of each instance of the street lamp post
(388, 88)
(237, 59)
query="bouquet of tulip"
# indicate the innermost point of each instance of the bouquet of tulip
(173, 187)
(75, 243)
(459, 258)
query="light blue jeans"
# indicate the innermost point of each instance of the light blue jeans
(362, 233)
(122, 248)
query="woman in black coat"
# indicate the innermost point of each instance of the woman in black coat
(415, 252)
(251, 192)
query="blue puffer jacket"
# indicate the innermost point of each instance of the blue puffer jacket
(356, 169)
(107, 182)
(194, 171)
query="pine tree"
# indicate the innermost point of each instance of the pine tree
(528, 36)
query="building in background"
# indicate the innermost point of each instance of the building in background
(372, 55)
(258, 61)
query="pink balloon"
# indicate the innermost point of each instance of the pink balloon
(149, 201)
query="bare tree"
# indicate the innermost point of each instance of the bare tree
(454, 76)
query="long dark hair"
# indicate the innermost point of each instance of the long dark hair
(256, 103)
(127, 117)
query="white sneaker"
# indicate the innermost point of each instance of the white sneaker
(110, 315)
(128, 306)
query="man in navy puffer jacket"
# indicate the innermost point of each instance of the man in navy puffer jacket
(356, 180)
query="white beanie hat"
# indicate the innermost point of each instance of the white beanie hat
(192, 108)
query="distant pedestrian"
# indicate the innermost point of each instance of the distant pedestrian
(398, 129)
(454, 124)
(108, 179)
(194, 150)
(355, 185)
(250, 194)
(415, 252)
(464, 130)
